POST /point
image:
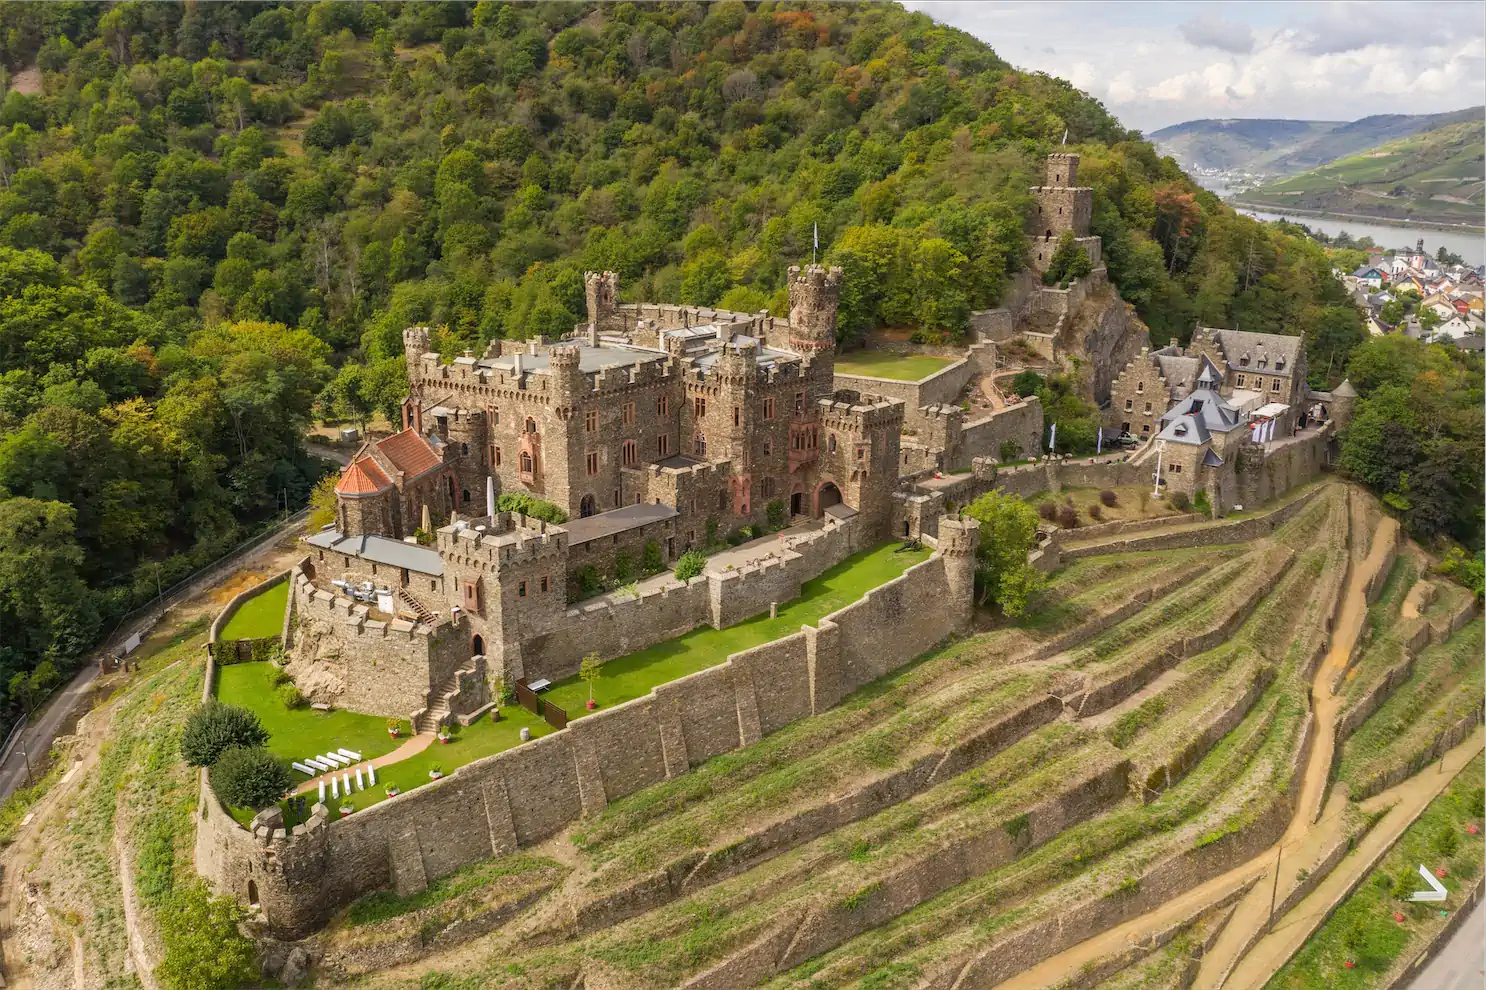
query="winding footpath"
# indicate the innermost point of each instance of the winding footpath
(1304, 842)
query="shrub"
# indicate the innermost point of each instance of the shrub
(650, 561)
(588, 580)
(1047, 510)
(624, 567)
(215, 727)
(1446, 841)
(290, 696)
(1026, 383)
(690, 565)
(531, 506)
(249, 777)
(1068, 517)
(1201, 502)
(1096, 513)
(279, 676)
(1109, 498)
(1010, 451)
(1180, 501)
(776, 513)
(204, 945)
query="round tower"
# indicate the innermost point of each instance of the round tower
(958, 541)
(1343, 401)
(602, 292)
(416, 342)
(567, 380)
(813, 295)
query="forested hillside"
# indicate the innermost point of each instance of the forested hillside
(215, 216)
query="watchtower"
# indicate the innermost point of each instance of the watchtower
(602, 292)
(814, 293)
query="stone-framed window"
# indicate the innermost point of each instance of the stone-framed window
(699, 444)
(521, 590)
(531, 425)
(525, 463)
(799, 402)
(768, 448)
(769, 408)
(831, 443)
(1239, 381)
(737, 416)
(700, 408)
(1139, 388)
(768, 487)
(1129, 404)
(630, 453)
(544, 584)
(627, 414)
(591, 420)
(1147, 408)
(663, 406)
(663, 445)
(1274, 386)
(495, 455)
(592, 463)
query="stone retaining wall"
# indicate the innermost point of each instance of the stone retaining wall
(527, 794)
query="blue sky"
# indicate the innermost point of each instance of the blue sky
(1155, 64)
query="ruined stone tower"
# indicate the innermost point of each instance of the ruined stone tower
(602, 292)
(1062, 206)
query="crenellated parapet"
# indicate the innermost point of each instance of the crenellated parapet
(507, 540)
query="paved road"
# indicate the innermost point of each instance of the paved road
(37, 737)
(1461, 964)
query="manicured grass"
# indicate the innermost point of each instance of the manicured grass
(1363, 930)
(467, 744)
(300, 732)
(260, 616)
(629, 677)
(883, 364)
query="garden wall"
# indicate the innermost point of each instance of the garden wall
(527, 794)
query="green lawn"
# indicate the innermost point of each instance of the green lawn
(300, 732)
(259, 617)
(629, 677)
(467, 743)
(882, 364)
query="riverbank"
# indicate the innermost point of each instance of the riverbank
(1286, 212)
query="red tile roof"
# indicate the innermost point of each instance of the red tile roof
(410, 453)
(363, 477)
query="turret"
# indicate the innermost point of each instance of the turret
(415, 343)
(602, 292)
(1343, 401)
(1062, 170)
(958, 541)
(813, 295)
(567, 380)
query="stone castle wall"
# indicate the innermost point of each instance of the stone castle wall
(522, 796)
(1021, 423)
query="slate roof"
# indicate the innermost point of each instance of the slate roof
(1237, 343)
(616, 521)
(1179, 372)
(381, 550)
(1194, 419)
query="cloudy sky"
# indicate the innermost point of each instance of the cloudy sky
(1155, 64)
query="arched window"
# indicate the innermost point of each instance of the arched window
(531, 425)
(464, 449)
(526, 462)
(587, 507)
(252, 894)
(831, 443)
(477, 646)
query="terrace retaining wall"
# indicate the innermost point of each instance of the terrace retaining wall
(494, 805)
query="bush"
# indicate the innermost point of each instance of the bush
(650, 561)
(776, 513)
(1446, 841)
(1026, 383)
(1109, 498)
(1047, 510)
(531, 506)
(215, 727)
(588, 581)
(280, 676)
(1180, 501)
(249, 777)
(1010, 451)
(1096, 513)
(1201, 502)
(690, 565)
(204, 946)
(1068, 517)
(290, 696)
(624, 567)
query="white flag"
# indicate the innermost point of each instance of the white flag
(817, 236)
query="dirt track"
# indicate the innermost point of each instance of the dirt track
(1304, 836)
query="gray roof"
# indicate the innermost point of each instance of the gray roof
(1345, 390)
(590, 358)
(616, 521)
(1237, 343)
(1197, 417)
(1179, 372)
(381, 550)
(1211, 459)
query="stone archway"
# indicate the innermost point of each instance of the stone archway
(587, 506)
(796, 503)
(477, 646)
(826, 496)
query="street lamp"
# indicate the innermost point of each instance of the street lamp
(1160, 449)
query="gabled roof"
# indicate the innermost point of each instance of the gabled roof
(1211, 459)
(1197, 417)
(363, 477)
(411, 453)
(1274, 346)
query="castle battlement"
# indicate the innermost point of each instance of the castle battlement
(507, 539)
(352, 617)
(862, 414)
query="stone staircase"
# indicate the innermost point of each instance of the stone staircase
(438, 710)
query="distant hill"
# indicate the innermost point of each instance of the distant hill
(1283, 147)
(1437, 175)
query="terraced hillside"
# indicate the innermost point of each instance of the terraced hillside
(1128, 753)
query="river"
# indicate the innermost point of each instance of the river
(1471, 247)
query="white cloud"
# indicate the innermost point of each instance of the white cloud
(1155, 64)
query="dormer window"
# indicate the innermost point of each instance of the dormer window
(1244, 361)
(1180, 430)
(1279, 364)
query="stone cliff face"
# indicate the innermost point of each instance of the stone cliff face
(1104, 334)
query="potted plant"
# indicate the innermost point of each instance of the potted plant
(589, 671)
(435, 772)
(444, 734)
(394, 727)
(346, 809)
(393, 790)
